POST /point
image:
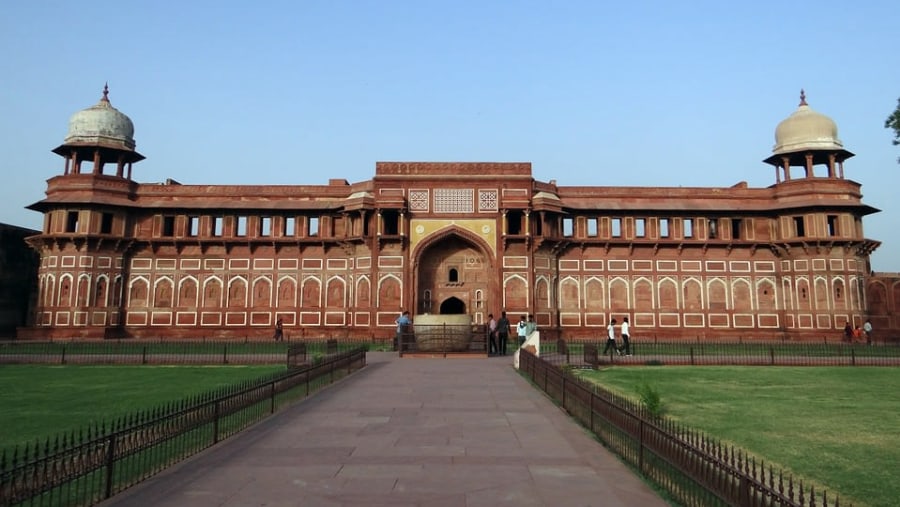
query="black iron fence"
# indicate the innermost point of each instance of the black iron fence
(755, 353)
(443, 339)
(167, 352)
(693, 468)
(88, 466)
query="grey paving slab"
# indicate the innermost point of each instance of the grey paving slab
(407, 432)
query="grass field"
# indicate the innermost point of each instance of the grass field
(43, 401)
(834, 427)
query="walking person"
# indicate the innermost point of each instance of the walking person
(625, 332)
(611, 337)
(403, 323)
(502, 333)
(492, 334)
(522, 330)
(279, 330)
(867, 328)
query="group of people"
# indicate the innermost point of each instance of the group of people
(624, 332)
(855, 334)
(498, 332)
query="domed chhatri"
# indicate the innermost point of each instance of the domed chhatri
(101, 125)
(806, 130)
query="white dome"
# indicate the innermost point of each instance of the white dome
(101, 125)
(806, 130)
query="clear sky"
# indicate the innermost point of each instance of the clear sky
(591, 92)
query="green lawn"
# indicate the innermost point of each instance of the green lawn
(835, 427)
(43, 401)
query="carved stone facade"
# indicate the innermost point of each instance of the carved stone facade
(121, 258)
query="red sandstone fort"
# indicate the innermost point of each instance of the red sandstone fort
(119, 258)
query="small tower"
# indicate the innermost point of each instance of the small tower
(807, 139)
(101, 135)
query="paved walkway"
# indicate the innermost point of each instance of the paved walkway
(407, 432)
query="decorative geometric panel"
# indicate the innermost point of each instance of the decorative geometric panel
(487, 200)
(418, 200)
(454, 200)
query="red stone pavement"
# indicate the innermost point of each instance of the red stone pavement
(407, 432)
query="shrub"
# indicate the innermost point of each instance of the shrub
(651, 400)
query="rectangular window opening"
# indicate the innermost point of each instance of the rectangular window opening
(106, 221)
(617, 227)
(390, 222)
(640, 227)
(265, 226)
(290, 223)
(713, 228)
(663, 227)
(313, 226)
(72, 221)
(218, 226)
(193, 226)
(592, 227)
(568, 227)
(241, 226)
(514, 223)
(799, 228)
(688, 227)
(736, 228)
(168, 226)
(832, 225)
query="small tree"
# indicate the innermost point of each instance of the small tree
(893, 123)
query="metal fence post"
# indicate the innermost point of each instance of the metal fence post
(110, 460)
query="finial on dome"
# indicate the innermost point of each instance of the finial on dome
(105, 92)
(803, 98)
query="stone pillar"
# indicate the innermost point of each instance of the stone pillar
(528, 222)
(402, 224)
(98, 166)
(503, 228)
(809, 165)
(831, 172)
(378, 224)
(786, 162)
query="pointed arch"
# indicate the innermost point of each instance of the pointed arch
(741, 295)
(212, 292)
(717, 294)
(138, 291)
(766, 298)
(163, 292)
(569, 293)
(594, 297)
(237, 292)
(335, 292)
(619, 295)
(83, 294)
(101, 291)
(820, 283)
(787, 291)
(311, 292)
(390, 293)
(643, 294)
(117, 291)
(187, 291)
(262, 292)
(363, 292)
(667, 287)
(448, 232)
(542, 292)
(839, 293)
(692, 291)
(49, 289)
(287, 292)
(514, 287)
(804, 298)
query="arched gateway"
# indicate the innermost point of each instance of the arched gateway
(454, 275)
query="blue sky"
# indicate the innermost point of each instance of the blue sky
(592, 93)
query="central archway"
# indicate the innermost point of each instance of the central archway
(454, 275)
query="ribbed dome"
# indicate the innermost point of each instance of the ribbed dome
(101, 125)
(806, 130)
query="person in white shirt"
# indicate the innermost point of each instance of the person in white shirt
(492, 335)
(611, 337)
(625, 331)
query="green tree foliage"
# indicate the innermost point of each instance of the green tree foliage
(893, 122)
